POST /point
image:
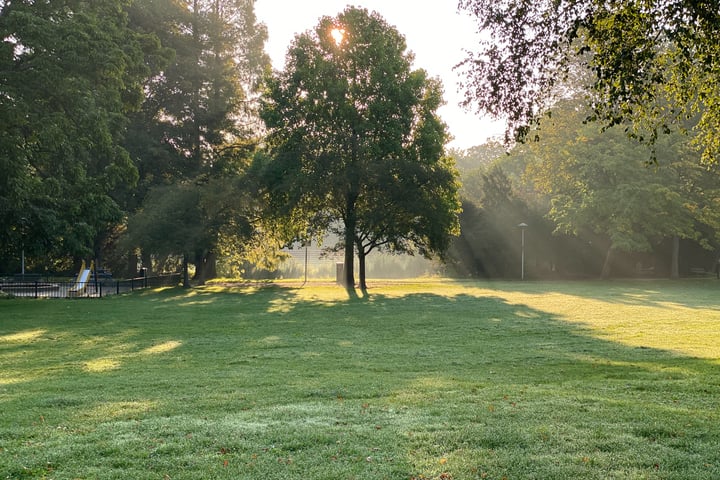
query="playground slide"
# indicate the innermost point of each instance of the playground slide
(81, 282)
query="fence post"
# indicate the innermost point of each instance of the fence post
(36, 289)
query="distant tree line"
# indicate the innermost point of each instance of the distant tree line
(594, 203)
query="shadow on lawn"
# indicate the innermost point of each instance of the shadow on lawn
(423, 331)
(426, 376)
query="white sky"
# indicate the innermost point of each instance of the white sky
(434, 31)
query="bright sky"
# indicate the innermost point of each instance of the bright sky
(434, 31)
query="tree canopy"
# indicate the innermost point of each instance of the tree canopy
(130, 130)
(653, 63)
(70, 72)
(355, 141)
(601, 183)
(594, 204)
(101, 102)
(198, 127)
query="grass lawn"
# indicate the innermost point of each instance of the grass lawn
(428, 380)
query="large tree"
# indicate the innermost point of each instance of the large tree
(655, 63)
(198, 125)
(355, 142)
(70, 71)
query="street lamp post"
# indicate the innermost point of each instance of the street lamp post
(522, 226)
(22, 252)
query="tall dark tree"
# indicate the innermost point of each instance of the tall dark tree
(199, 123)
(654, 63)
(356, 143)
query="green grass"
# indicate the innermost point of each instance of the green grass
(433, 380)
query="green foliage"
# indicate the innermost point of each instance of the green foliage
(477, 156)
(197, 131)
(653, 63)
(489, 242)
(596, 191)
(101, 102)
(70, 71)
(600, 183)
(171, 222)
(355, 143)
(197, 100)
(189, 218)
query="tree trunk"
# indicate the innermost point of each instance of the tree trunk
(606, 266)
(98, 251)
(350, 224)
(196, 88)
(361, 268)
(186, 275)
(348, 270)
(205, 267)
(675, 262)
(132, 263)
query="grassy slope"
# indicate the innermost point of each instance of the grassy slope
(434, 380)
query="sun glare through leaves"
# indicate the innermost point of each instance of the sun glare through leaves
(338, 34)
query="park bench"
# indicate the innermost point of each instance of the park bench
(699, 272)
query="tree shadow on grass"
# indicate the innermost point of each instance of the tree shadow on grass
(279, 383)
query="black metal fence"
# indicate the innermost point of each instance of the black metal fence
(35, 286)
